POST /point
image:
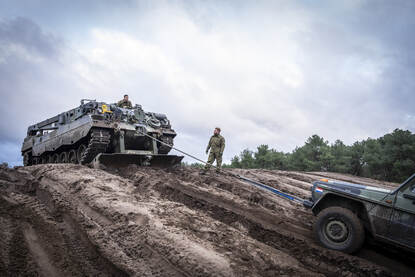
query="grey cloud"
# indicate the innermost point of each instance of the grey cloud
(30, 81)
(377, 34)
(26, 33)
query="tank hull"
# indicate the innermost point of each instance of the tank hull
(81, 134)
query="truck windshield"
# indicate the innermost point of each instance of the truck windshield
(408, 185)
(411, 185)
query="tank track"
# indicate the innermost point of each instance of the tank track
(98, 143)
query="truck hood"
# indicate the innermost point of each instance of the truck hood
(354, 190)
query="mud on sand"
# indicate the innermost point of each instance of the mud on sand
(71, 220)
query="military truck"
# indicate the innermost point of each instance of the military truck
(346, 213)
(103, 134)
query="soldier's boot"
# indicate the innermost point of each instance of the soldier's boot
(204, 170)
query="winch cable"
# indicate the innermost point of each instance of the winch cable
(178, 150)
(275, 191)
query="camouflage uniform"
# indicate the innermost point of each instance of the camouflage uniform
(125, 104)
(216, 145)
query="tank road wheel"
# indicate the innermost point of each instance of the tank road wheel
(44, 159)
(339, 229)
(80, 152)
(50, 159)
(27, 159)
(55, 158)
(72, 157)
(63, 157)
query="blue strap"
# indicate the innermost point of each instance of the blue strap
(273, 190)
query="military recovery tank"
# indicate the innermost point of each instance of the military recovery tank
(102, 134)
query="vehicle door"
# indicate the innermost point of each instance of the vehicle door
(402, 225)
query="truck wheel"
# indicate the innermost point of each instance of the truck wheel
(339, 229)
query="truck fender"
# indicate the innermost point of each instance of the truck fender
(334, 199)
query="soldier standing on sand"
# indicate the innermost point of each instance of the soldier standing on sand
(216, 146)
(125, 103)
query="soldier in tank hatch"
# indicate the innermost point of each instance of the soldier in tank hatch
(125, 103)
(216, 146)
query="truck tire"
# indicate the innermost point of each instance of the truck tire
(339, 229)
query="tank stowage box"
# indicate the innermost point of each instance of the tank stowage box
(100, 132)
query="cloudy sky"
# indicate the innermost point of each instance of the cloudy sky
(266, 72)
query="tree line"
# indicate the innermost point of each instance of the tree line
(390, 158)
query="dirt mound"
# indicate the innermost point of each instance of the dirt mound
(70, 220)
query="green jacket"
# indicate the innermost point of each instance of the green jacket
(125, 104)
(217, 144)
